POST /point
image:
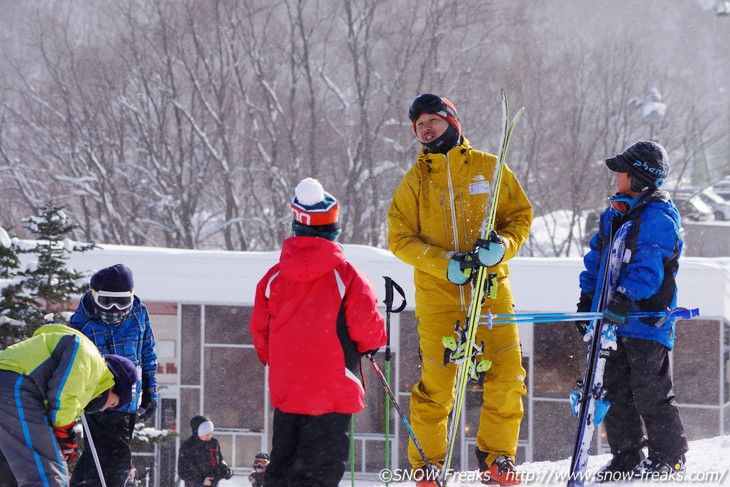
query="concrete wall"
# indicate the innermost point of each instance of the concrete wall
(706, 239)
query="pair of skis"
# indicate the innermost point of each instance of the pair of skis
(461, 348)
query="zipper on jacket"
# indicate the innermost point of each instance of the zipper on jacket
(453, 223)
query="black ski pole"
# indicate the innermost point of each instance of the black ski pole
(390, 285)
(430, 470)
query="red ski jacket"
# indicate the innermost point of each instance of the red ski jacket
(314, 315)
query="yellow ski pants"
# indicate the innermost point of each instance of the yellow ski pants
(433, 397)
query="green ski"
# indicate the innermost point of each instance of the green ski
(463, 350)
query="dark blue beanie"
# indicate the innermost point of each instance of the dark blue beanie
(125, 377)
(117, 278)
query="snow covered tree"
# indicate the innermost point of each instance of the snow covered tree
(46, 285)
(11, 329)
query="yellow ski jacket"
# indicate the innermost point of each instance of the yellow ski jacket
(439, 208)
(67, 368)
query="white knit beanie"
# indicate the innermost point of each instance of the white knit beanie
(205, 428)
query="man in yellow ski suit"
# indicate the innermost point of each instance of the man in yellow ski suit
(437, 211)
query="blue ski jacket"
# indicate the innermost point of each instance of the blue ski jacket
(132, 338)
(649, 266)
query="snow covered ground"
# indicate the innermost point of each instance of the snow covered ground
(708, 463)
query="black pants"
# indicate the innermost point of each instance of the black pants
(112, 435)
(639, 387)
(308, 451)
(7, 479)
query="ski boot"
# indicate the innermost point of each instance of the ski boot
(502, 472)
(653, 468)
(619, 467)
(426, 477)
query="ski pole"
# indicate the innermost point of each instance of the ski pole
(93, 450)
(390, 284)
(352, 449)
(430, 469)
(683, 313)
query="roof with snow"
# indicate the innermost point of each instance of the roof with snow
(223, 277)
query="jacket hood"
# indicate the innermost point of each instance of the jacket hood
(57, 328)
(304, 259)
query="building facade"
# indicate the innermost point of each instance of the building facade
(200, 303)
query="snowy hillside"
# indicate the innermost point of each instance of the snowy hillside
(708, 463)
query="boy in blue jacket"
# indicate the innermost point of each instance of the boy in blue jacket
(117, 322)
(637, 376)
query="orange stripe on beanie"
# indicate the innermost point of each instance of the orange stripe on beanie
(312, 205)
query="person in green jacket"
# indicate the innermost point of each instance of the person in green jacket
(46, 383)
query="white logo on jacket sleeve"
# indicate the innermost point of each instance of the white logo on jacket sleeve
(480, 187)
(340, 284)
(268, 285)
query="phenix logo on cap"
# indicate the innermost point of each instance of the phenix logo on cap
(657, 171)
(312, 205)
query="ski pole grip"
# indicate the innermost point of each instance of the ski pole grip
(688, 313)
(390, 285)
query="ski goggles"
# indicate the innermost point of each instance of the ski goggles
(430, 104)
(623, 203)
(107, 300)
(260, 462)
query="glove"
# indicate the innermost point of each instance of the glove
(148, 406)
(584, 305)
(617, 309)
(257, 479)
(224, 471)
(263, 358)
(460, 268)
(370, 353)
(66, 438)
(489, 252)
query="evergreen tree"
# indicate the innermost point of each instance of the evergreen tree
(47, 284)
(11, 329)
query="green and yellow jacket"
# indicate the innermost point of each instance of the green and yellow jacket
(67, 368)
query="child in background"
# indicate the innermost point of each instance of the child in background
(200, 461)
(260, 462)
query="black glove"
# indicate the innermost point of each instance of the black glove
(148, 406)
(617, 310)
(370, 353)
(224, 471)
(257, 478)
(584, 306)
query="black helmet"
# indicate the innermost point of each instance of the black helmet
(429, 103)
(646, 162)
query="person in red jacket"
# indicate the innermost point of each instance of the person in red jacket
(314, 316)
